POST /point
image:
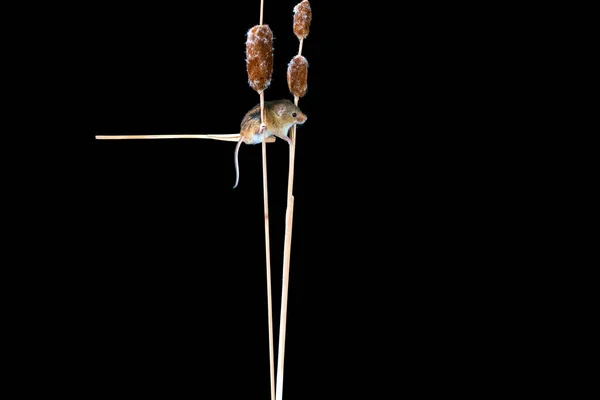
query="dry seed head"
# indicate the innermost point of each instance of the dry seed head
(302, 18)
(296, 75)
(259, 57)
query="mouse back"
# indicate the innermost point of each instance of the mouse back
(250, 124)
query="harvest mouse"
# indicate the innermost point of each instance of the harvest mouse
(280, 115)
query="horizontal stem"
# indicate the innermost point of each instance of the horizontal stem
(234, 137)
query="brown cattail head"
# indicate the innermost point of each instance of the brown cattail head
(296, 75)
(259, 57)
(302, 18)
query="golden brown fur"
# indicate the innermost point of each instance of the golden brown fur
(279, 119)
(280, 116)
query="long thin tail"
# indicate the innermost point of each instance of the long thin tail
(237, 167)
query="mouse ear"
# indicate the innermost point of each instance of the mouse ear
(279, 109)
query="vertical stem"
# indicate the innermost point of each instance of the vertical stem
(267, 247)
(262, 4)
(284, 297)
(286, 262)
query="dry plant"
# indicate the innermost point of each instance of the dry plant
(259, 65)
(233, 137)
(297, 82)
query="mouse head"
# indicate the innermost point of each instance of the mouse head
(289, 112)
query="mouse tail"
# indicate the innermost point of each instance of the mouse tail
(237, 167)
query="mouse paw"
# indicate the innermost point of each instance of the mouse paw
(262, 128)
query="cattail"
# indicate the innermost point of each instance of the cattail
(296, 75)
(302, 18)
(259, 57)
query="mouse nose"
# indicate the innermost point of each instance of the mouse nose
(302, 118)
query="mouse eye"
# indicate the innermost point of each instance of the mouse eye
(294, 114)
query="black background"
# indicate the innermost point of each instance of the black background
(158, 266)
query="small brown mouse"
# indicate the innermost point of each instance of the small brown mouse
(280, 116)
